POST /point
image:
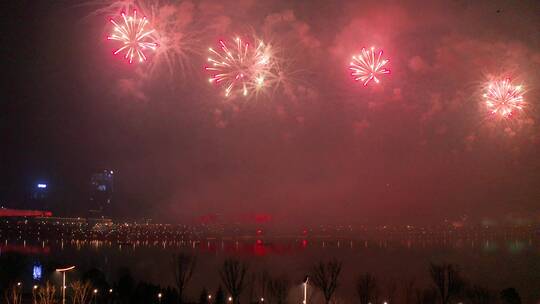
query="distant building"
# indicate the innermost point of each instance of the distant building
(40, 192)
(101, 192)
(39, 197)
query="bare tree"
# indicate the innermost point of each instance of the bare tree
(13, 295)
(408, 292)
(251, 284)
(510, 296)
(366, 288)
(81, 292)
(426, 296)
(264, 283)
(325, 277)
(183, 268)
(390, 291)
(47, 294)
(447, 280)
(232, 275)
(278, 290)
(478, 295)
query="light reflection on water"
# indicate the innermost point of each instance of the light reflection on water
(280, 245)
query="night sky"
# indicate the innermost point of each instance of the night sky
(418, 147)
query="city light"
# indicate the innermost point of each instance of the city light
(42, 186)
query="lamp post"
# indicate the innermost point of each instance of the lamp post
(63, 272)
(159, 295)
(305, 282)
(34, 294)
(95, 295)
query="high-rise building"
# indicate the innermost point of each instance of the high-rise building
(38, 197)
(40, 191)
(101, 194)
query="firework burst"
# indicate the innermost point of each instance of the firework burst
(503, 98)
(368, 66)
(241, 68)
(134, 36)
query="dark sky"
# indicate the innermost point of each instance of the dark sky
(420, 146)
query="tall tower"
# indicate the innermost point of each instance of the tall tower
(101, 194)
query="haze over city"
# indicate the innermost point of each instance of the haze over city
(418, 146)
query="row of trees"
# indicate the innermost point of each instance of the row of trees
(47, 294)
(447, 286)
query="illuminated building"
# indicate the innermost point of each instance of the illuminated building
(101, 194)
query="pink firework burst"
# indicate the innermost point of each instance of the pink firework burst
(368, 66)
(503, 98)
(134, 37)
(241, 67)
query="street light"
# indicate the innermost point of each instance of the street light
(159, 295)
(95, 291)
(230, 299)
(34, 295)
(63, 272)
(305, 282)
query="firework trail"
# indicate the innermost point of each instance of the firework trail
(175, 26)
(134, 36)
(241, 68)
(502, 98)
(368, 66)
